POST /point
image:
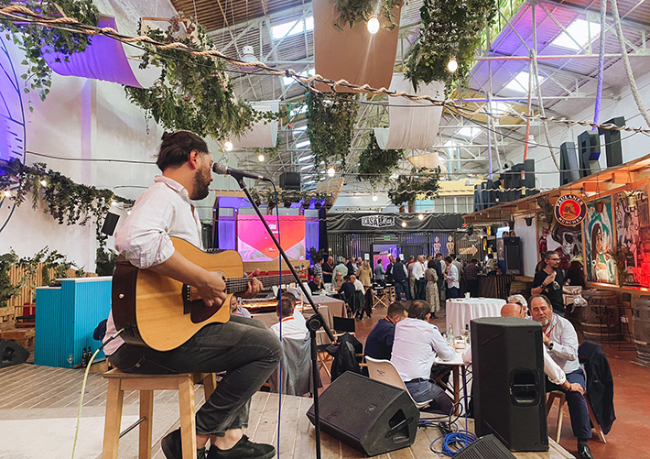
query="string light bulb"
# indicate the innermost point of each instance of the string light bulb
(331, 171)
(7, 194)
(403, 224)
(452, 65)
(227, 145)
(260, 158)
(421, 217)
(373, 24)
(374, 197)
(43, 182)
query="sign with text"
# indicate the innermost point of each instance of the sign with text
(378, 221)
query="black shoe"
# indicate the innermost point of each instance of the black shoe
(434, 316)
(244, 449)
(171, 446)
(584, 452)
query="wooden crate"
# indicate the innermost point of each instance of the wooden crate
(23, 336)
(7, 315)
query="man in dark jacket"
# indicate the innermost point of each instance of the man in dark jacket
(400, 277)
(379, 344)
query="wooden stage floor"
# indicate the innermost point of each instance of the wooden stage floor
(38, 409)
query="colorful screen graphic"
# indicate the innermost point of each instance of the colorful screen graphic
(255, 244)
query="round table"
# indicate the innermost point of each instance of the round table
(461, 310)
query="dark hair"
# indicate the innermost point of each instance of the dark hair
(418, 309)
(285, 306)
(452, 255)
(474, 260)
(431, 264)
(448, 259)
(438, 254)
(544, 297)
(290, 296)
(549, 254)
(176, 147)
(396, 308)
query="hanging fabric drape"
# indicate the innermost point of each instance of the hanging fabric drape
(412, 124)
(262, 135)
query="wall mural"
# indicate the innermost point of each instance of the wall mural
(598, 237)
(568, 241)
(633, 232)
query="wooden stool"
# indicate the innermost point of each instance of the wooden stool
(561, 396)
(118, 382)
(23, 336)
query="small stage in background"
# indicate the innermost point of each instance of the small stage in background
(45, 399)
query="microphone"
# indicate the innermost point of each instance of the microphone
(225, 170)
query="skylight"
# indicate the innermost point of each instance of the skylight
(580, 31)
(297, 111)
(308, 166)
(289, 29)
(520, 83)
(305, 158)
(303, 144)
(499, 108)
(469, 131)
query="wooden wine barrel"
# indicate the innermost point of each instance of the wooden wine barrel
(600, 319)
(641, 320)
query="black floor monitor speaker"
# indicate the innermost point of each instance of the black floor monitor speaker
(509, 391)
(487, 447)
(12, 353)
(367, 415)
(512, 255)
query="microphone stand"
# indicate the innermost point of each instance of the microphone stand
(314, 323)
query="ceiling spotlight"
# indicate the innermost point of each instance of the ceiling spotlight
(260, 157)
(128, 212)
(373, 25)
(331, 171)
(421, 217)
(7, 194)
(403, 224)
(113, 202)
(374, 197)
(43, 182)
(228, 146)
(452, 65)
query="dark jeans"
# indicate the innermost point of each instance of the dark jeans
(244, 348)
(578, 411)
(421, 289)
(422, 391)
(399, 286)
(452, 292)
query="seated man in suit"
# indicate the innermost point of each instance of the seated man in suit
(416, 344)
(293, 323)
(347, 293)
(379, 344)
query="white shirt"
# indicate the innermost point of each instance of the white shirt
(162, 211)
(565, 343)
(359, 286)
(452, 277)
(293, 327)
(551, 369)
(418, 270)
(415, 347)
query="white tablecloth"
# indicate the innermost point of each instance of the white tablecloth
(461, 311)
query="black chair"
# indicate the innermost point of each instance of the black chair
(626, 341)
(342, 325)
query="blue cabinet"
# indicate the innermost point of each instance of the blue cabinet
(66, 317)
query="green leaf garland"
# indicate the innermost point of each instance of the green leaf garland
(375, 164)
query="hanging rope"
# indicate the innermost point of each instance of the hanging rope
(540, 104)
(601, 60)
(626, 62)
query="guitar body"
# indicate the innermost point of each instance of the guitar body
(161, 313)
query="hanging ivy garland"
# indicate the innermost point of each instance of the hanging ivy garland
(354, 11)
(66, 201)
(376, 165)
(35, 40)
(449, 29)
(193, 93)
(421, 183)
(329, 127)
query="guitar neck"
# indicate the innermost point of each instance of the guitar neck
(240, 285)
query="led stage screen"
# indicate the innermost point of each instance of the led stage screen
(255, 244)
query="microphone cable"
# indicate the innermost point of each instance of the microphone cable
(83, 388)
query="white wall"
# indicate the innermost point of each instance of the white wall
(528, 237)
(91, 120)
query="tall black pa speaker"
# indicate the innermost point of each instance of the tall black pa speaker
(370, 416)
(512, 255)
(509, 392)
(12, 353)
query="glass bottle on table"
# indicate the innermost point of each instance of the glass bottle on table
(450, 335)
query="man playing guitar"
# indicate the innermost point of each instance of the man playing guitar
(245, 349)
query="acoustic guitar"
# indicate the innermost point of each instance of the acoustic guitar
(162, 313)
